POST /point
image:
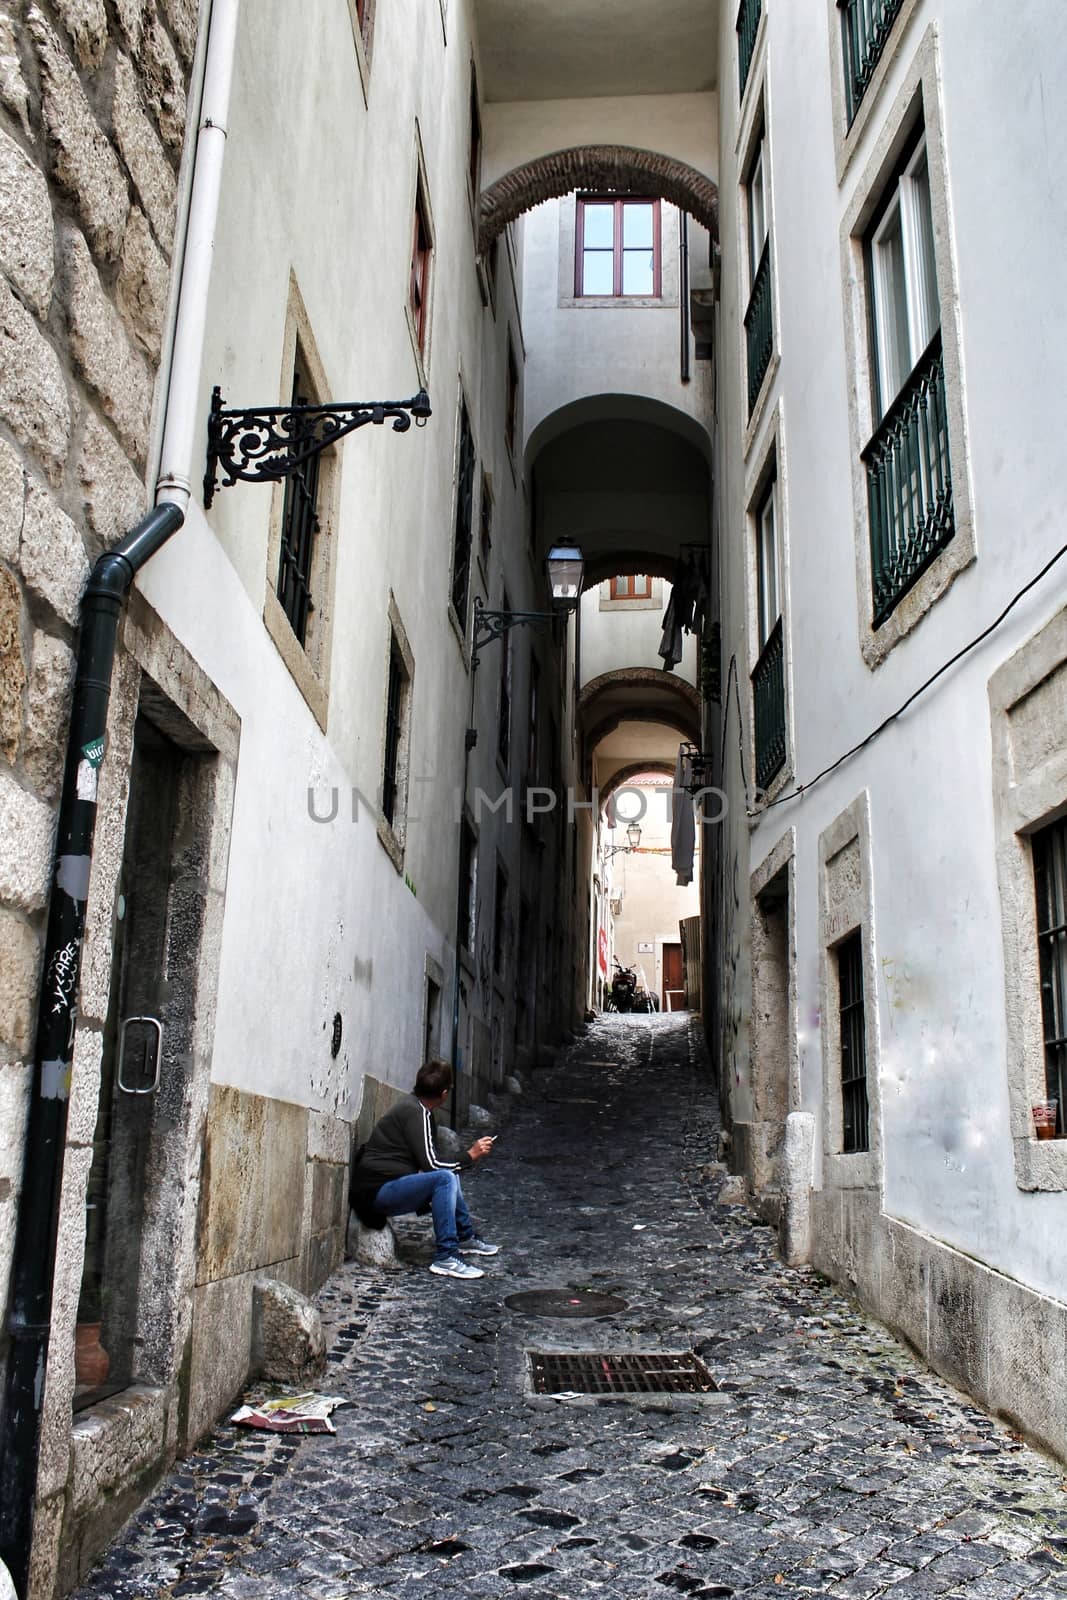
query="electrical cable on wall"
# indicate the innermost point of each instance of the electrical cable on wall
(803, 788)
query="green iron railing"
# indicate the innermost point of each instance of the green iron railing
(867, 25)
(759, 327)
(909, 484)
(747, 24)
(768, 698)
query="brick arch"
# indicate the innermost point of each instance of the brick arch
(621, 779)
(638, 678)
(619, 168)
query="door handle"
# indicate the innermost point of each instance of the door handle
(151, 1022)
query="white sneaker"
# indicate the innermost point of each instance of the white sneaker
(453, 1267)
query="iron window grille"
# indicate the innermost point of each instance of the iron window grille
(503, 722)
(768, 697)
(511, 398)
(474, 169)
(618, 247)
(909, 480)
(866, 26)
(461, 552)
(394, 711)
(747, 27)
(1050, 881)
(855, 1111)
(485, 522)
(300, 517)
(909, 484)
(759, 327)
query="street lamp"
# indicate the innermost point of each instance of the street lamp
(564, 566)
(633, 834)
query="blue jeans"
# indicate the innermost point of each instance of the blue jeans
(451, 1220)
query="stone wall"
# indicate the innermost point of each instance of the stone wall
(92, 120)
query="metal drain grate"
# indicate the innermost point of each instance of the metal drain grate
(608, 1373)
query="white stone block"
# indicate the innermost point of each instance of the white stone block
(52, 555)
(27, 828)
(27, 237)
(33, 391)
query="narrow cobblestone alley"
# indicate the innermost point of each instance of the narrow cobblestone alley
(830, 1462)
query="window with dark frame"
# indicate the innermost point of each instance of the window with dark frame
(421, 261)
(511, 399)
(300, 517)
(630, 586)
(461, 550)
(500, 911)
(1050, 882)
(394, 722)
(768, 675)
(618, 248)
(474, 155)
(485, 522)
(855, 1113)
(468, 885)
(503, 721)
(531, 722)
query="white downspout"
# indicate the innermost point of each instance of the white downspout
(174, 483)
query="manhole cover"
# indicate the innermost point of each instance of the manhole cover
(608, 1373)
(565, 1303)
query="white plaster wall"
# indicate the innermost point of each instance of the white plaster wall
(577, 350)
(653, 904)
(948, 1166)
(612, 640)
(318, 919)
(679, 125)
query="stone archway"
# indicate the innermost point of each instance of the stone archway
(621, 169)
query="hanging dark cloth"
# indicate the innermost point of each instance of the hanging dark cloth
(686, 609)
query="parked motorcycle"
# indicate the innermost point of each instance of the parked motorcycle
(623, 988)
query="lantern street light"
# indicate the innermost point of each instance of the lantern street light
(564, 565)
(633, 834)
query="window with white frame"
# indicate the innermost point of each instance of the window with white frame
(768, 674)
(758, 319)
(909, 478)
(904, 301)
(768, 595)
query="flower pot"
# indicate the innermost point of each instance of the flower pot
(91, 1361)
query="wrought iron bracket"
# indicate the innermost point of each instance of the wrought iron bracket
(261, 444)
(490, 625)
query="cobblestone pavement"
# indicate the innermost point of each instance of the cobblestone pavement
(830, 1463)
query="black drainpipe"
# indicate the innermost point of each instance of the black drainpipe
(29, 1319)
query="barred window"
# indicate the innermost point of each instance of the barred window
(300, 518)
(854, 1104)
(461, 550)
(393, 718)
(1050, 882)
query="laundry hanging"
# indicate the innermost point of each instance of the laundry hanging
(683, 820)
(686, 609)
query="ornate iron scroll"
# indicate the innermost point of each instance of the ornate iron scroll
(266, 443)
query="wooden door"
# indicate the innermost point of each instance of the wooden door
(673, 996)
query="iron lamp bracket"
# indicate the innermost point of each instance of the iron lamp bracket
(490, 625)
(262, 444)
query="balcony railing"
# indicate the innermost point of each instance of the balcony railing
(909, 484)
(768, 698)
(747, 24)
(759, 327)
(867, 25)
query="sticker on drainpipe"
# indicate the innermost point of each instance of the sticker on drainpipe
(89, 769)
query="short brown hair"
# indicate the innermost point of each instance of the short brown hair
(433, 1079)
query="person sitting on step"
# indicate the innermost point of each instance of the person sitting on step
(398, 1171)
